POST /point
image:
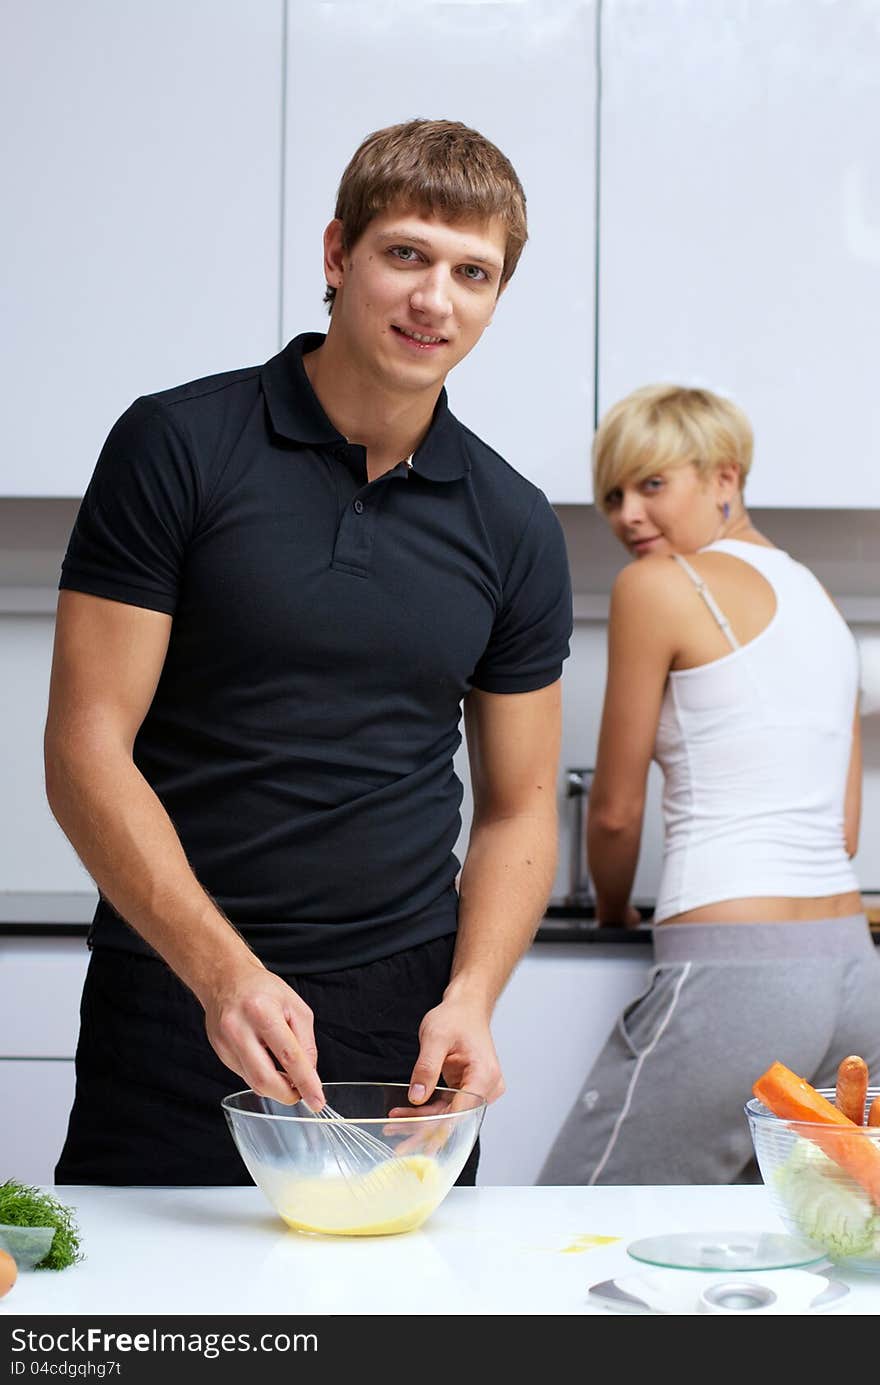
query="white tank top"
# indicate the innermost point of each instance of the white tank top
(755, 750)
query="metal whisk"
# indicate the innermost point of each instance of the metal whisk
(356, 1151)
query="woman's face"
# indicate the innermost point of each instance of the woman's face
(674, 511)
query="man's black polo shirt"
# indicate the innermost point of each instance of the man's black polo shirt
(325, 632)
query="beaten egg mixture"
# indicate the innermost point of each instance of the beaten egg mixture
(393, 1197)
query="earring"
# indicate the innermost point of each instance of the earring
(725, 510)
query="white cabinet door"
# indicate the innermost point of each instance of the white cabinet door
(522, 72)
(41, 982)
(740, 226)
(140, 236)
(549, 1026)
(35, 1098)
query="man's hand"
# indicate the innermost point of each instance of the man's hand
(456, 1045)
(257, 1025)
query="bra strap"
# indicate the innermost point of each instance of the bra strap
(720, 617)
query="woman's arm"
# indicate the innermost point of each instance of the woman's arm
(852, 808)
(641, 648)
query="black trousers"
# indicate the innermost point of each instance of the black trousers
(149, 1085)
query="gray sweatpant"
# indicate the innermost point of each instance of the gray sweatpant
(664, 1100)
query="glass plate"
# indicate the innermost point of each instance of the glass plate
(725, 1250)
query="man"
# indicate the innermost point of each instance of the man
(282, 585)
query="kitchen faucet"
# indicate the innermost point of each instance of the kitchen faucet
(580, 889)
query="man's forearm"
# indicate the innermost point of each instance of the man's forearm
(128, 844)
(505, 884)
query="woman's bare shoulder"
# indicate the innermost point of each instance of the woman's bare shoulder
(648, 606)
(654, 580)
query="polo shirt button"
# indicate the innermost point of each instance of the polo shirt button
(359, 507)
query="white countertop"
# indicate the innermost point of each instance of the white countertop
(485, 1251)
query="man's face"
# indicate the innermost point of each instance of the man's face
(414, 294)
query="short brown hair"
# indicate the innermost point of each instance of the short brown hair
(441, 167)
(659, 427)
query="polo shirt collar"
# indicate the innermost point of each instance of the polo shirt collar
(443, 454)
(296, 414)
(294, 408)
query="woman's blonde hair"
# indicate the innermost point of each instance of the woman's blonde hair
(659, 427)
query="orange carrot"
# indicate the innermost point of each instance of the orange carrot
(874, 1112)
(791, 1098)
(852, 1088)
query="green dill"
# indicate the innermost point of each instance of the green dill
(21, 1205)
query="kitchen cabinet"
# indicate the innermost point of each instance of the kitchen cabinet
(523, 73)
(739, 236)
(37, 1096)
(40, 981)
(141, 230)
(41, 985)
(549, 1025)
(171, 173)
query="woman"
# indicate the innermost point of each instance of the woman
(729, 665)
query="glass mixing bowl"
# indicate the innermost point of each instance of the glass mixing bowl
(816, 1176)
(382, 1166)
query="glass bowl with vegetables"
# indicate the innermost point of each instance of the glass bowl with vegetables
(818, 1150)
